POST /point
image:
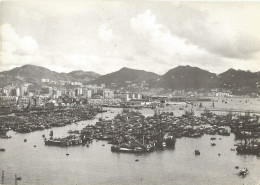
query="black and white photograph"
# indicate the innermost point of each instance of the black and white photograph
(117, 92)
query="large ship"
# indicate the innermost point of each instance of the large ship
(132, 147)
(67, 141)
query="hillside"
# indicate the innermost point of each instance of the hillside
(34, 74)
(187, 77)
(125, 75)
(240, 81)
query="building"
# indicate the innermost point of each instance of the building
(108, 94)
(223, 94)
(78, 92)
(63, 92)
(8, 100)
(87, 93)
(135, 96)
(45, 80)
(23, 90)
(122, 95)
(56, 93)
(23, 101)
(46, 90)
(97, 92)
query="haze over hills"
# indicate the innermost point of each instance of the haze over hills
(34, 74)
(181, 77)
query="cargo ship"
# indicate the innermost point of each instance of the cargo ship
(68, 141)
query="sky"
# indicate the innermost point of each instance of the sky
(104, 36)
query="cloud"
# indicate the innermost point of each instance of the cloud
(223, 33)
(13, 43)
(147, 35)
(105, 33)
(160, 37)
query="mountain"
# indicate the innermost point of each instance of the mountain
(124, 75)
(187, 77)
(239, 80)
(34, 74)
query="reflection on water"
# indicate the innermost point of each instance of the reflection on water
(96, 164)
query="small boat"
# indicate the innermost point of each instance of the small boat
(67, 154)
(2, 149)
(18, 178)
(197, 152)
(136, 160)
(213, 138)
(213, 144)
(236, 167)
(243, 172)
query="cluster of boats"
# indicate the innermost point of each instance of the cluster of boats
(44, 119)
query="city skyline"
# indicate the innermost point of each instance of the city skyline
(103, 37)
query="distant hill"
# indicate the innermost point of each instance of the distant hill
(239, 80)
(34, 74)
(125, 75)
(187, 77)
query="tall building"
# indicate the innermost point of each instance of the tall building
(78, 92)
(23, 90)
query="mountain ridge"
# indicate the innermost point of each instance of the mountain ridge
(180, 77)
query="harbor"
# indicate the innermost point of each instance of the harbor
(171, 164)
